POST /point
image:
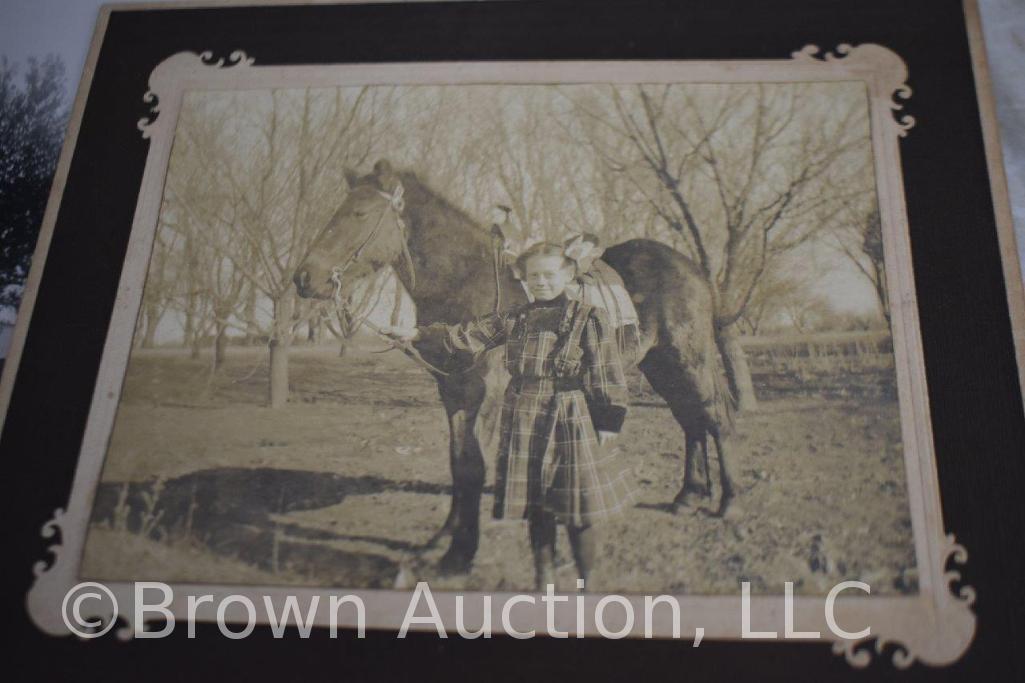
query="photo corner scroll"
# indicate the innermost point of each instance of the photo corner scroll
(935, 627)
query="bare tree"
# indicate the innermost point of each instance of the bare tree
(806, 311)
(860, 239)
(254, 175)
(736, 177)
(776, 287)
(158, 296)
(743, 174)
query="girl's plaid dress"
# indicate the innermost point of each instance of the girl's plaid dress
(567, 383)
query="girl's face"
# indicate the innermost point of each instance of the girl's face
(547, 276)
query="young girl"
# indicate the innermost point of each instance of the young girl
(565, 402)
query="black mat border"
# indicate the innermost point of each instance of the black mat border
(976, 406)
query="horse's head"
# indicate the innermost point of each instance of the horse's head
(365, 234)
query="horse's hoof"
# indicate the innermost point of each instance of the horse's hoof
(699, 490)
(454, 563)
(725, 509)
(681, 502)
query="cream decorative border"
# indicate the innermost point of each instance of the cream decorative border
(934, 627)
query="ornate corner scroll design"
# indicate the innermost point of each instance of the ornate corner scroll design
(170, 70)
(952, 621)
(51, 599)
(943, 624)
(43, 599)
(46, 598)
(878, 60)
(55, 577)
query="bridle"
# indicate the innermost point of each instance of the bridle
(396, 205)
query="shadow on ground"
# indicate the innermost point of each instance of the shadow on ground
(235, 512)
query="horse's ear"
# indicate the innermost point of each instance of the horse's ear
(386, 177)
(351, 177)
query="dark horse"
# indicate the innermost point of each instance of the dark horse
(445, 261)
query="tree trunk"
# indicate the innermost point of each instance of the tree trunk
(279, 344)
(250, 315)
(190, 326)
(220, 345)
(738, 373)
(278, 373)
(150, 327)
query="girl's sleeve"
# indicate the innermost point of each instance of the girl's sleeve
(604, 379)
(457, 346)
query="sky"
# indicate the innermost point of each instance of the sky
(33, 28)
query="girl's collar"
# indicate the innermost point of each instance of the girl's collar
(556, 302)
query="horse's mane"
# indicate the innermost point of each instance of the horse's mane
(455, 219)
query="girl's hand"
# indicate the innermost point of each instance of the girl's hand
(606, 437)
(402, 334)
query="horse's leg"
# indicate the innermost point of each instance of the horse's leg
(707, 478)
(690, 461)
(688, 468)
(696, 477)
(462, 397)
(467, 463)
(456, 436)
(674, 383)
(725, 478)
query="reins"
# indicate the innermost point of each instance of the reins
(497, 242)
(396, 204)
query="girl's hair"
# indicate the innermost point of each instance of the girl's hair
(543, 249)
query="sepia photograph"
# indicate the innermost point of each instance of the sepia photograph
(402, 334)
(495, 336)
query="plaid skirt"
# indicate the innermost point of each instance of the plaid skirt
(549, 458)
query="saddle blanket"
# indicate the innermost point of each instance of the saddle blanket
(602, 287)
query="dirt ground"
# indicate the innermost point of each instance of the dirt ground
(345, 485)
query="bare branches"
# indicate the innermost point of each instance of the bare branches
(745, 173)
(253, 175)
(739, 178)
